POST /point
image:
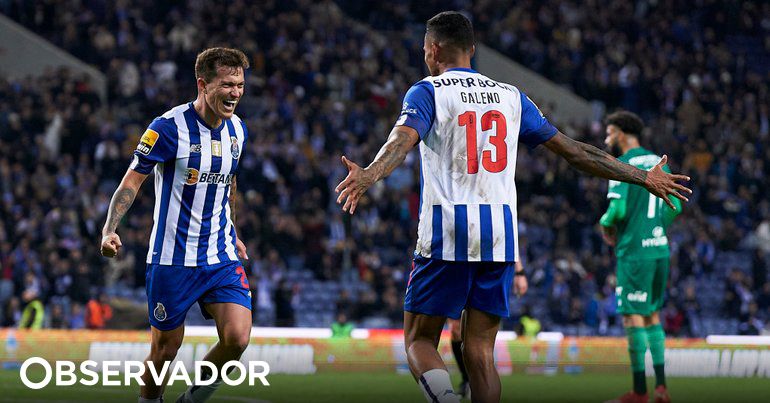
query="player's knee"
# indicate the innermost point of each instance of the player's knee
(412, 339)
(236, 342)
(164, 351)
(421, 334)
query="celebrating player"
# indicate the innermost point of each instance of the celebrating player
(194, 149)
(635, 224)
(468, 127)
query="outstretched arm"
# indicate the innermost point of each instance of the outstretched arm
(401, 140)
(121, 201)
(594, 161)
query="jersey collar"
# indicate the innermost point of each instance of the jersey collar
(634, 151)
(465, 69)
(203, 122)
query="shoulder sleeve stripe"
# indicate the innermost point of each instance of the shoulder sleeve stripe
(419, 108)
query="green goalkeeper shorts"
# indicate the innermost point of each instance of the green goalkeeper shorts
(641, 285)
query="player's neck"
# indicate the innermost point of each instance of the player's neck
(462, 64)
(208, 116)
(629, 145)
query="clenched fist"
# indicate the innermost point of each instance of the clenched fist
(111, 245)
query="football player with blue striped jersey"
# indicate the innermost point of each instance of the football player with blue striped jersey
(194, 251)
(468, 127)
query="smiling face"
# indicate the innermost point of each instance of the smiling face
(224, 91)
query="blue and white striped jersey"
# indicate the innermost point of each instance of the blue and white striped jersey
(194, 167)
(470, 127)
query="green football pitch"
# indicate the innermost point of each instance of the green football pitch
(384, 387)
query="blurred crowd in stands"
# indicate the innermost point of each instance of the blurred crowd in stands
(324, 83)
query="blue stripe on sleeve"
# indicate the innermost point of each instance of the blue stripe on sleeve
(188, 193)
(509, 241)
(436, 244)
(419, 108)
(142, 165)
(461, 232)
(485, 218)
(535, 129)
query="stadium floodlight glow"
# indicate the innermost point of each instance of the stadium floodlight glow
(133, 370)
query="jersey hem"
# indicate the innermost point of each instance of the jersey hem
(494, 260)
(223, 262)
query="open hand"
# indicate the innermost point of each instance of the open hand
(353, 186)
(662, 184)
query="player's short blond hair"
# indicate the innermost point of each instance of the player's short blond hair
(208, 61)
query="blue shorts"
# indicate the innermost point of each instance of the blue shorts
(445, 288)
(172, 289)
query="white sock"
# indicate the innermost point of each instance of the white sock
(199, 394)
(156, 400)
(437, 387)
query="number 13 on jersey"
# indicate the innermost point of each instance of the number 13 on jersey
(500, 161)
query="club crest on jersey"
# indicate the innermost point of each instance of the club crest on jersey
(191, 177)
(147, 141)
(160, 312)
(234, 149)
(216, 148)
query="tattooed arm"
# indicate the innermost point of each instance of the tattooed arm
(240, 247)
(594, 161)
(119, 205)
(392, 154)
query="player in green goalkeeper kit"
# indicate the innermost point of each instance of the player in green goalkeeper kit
(635, 224)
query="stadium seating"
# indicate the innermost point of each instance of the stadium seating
(323, 84)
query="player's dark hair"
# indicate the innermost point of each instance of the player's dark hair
(208, 61)
(450, 28)
(626, 121)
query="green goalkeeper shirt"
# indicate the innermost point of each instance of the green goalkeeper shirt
(641, 218)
